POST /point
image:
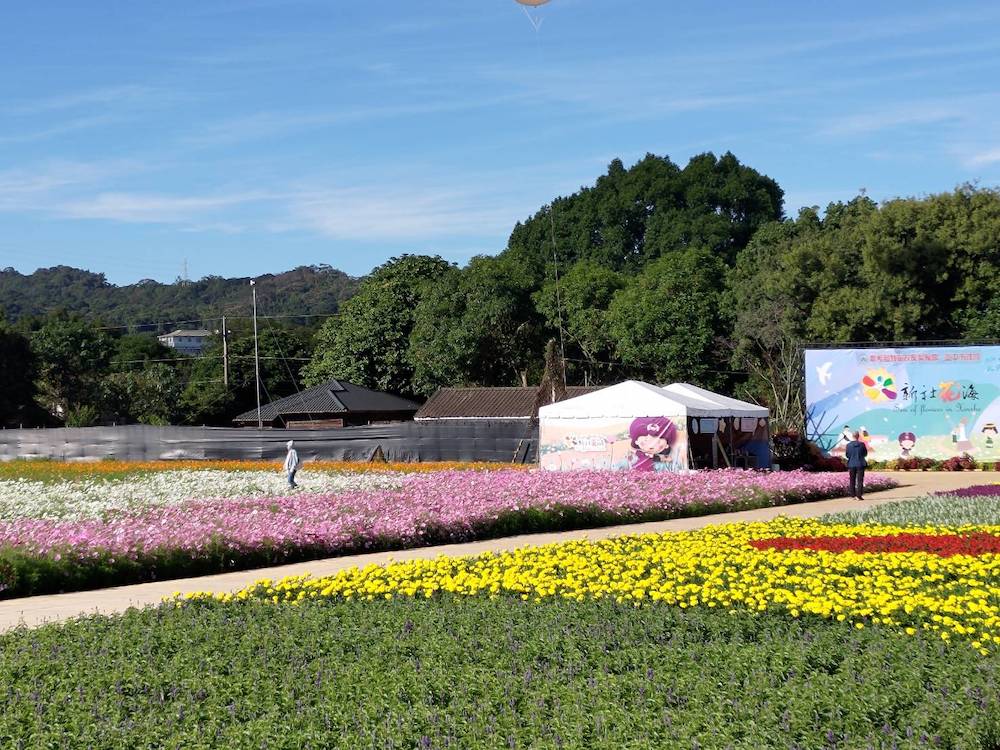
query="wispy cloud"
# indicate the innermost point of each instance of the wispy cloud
(77, 99)
(42, 186)
(982, 158)
(272, 124)
(154, 209)
(399, 215)
(63, 128)
(958, 109)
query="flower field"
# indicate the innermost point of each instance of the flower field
(948, 581)
(822, 633)
(97, 498)
(69, 535)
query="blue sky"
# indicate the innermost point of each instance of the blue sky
(252, 136)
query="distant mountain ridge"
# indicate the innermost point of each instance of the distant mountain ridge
(306, 290)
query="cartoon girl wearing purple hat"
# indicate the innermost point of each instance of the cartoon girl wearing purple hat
(652, 438)
(906, 442)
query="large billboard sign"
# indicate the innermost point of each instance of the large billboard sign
(934, 402)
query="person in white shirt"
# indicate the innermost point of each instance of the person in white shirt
(291, 463)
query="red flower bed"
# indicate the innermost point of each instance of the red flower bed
(945, 545)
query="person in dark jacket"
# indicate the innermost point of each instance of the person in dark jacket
(856, 465)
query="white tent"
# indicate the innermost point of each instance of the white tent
(732, 407)
(636, 425)
(629, 400)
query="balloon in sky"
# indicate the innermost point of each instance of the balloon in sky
(525, 4)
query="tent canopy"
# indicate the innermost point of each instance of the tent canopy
(629, 400)
(727, 407)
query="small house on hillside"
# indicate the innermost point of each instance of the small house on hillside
(185, 341)
(335, 403)
(492, 403)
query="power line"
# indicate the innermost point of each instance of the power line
(200, 321)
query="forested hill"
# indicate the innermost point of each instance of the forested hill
(303, 291)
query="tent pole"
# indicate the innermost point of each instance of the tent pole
(732, 427)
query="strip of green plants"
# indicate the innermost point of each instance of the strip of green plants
(934, 510)
(482, 673)
(24, 573)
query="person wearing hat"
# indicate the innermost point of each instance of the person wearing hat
(291, 463)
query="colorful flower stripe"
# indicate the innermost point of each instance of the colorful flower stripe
(87, 469)
(445, 506)
(978, 490)
(943, 545)
(713, 567)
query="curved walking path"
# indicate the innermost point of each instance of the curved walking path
(36, 610)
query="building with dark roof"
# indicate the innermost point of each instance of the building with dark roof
(492, 403)
(332, 404)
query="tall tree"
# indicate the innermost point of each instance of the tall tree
(579, 303)
(17, 377)
(72, 354)
(368, 342)
(147, 396)
(477, 326)
(632, 216)
(666, 322)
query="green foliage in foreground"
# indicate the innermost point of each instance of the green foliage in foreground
(934, 511)
(480, 673)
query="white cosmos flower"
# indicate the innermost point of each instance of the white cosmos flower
(94, 498)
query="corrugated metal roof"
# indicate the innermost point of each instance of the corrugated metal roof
(490, 403)
(332, 397)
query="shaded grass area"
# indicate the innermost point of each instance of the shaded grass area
(482, 673)
(23, 573)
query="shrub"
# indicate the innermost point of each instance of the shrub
(965, 462)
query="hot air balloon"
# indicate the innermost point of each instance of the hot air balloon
(525, 4)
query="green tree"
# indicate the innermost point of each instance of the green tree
(766, 303)
(147, 396)
(477, 326)
(632, 216)
(283, 349)
(72, 354)
(368, 342)
(136, 351)
(579, 303)
(17, 377)
(665, 323)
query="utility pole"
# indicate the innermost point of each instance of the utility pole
(256, 352)
(225, 354)
(555, 263)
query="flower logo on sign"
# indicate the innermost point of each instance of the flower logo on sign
(949, 391)
(879, 385)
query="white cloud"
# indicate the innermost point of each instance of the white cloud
(990, 156)
(896, 116)
(153, 209)
(41, 186)
(416, 214)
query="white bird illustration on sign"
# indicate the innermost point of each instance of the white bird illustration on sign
(823, 371)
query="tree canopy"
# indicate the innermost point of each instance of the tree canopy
(655, 271)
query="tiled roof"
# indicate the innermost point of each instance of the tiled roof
(490, 403)
(333, 397)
